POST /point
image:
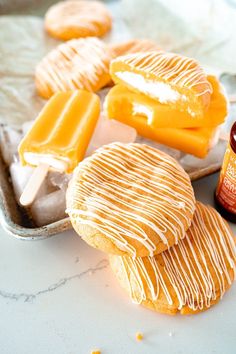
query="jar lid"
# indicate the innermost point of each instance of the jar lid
(233, 137)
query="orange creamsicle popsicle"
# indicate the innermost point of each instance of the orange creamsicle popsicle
(61, 133)
(163, 116)
(59, 137)
(196, 141)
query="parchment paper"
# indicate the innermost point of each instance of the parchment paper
(23, 43)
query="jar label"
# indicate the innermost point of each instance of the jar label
(226, 190)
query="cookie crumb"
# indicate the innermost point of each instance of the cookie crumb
(139, 336)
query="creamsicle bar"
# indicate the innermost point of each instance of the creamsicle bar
(61, 133)
(164, 116)
(195, 141)
(191, 141)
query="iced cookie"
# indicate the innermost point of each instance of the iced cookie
(167, 77)
(77, 64)
(130, 199)
(188, 278)
(133, 46)
(74, 19)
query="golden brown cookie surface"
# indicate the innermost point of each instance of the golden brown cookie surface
(133, 46)
(74, 19)
(188, 278)
(130, 199)
(77, 64)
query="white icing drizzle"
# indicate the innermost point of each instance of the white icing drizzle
(197, 268)
(174, 68)
(125, 190)
(76, 64)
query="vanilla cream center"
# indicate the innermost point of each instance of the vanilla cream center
(163, 92)
(140, 109)
(56, 163)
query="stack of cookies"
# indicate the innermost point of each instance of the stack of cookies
(169, 252)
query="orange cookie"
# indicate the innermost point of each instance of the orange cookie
(130, 199)
(75, 19)
(167, 77)
(133, 46)
(188, 278)
(77, 64)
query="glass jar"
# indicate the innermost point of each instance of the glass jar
(225, 195)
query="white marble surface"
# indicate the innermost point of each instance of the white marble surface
(58, 296)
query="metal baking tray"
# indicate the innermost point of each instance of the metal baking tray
(17, 222)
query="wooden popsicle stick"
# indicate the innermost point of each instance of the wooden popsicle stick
(32, 187)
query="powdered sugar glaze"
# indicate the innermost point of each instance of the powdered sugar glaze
(127, 189)
(198, 268)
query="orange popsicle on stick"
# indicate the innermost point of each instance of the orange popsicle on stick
(195, 141)
(164, 116)
(59, 137)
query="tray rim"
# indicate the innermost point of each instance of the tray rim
(8, 202)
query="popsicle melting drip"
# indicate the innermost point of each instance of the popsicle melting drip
(59, 137)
